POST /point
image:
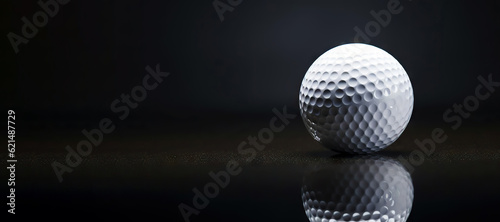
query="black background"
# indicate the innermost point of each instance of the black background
(254, 60)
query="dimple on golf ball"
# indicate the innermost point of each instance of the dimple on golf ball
(356, 98)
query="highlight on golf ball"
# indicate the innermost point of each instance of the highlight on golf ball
(366, 188)
(356, 98)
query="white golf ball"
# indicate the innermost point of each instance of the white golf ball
(356, 98)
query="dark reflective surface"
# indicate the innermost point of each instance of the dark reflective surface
(150, 173)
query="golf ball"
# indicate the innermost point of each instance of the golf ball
(356, 98)
(358, 189)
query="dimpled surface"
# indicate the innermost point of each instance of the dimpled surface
(356, 98)
(364, 189)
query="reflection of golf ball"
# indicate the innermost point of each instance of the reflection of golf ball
(356, 98)
(360, 189)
